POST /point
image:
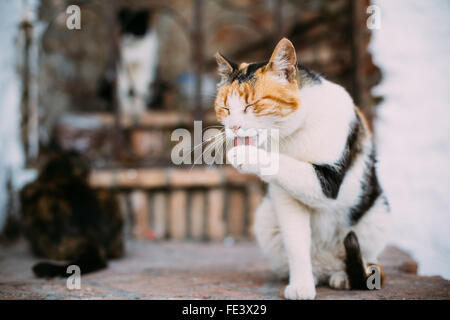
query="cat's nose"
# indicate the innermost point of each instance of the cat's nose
(235, 128)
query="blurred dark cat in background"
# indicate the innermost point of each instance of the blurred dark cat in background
(65, 219)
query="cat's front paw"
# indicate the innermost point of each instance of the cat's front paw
(247, 159)
(301, 291)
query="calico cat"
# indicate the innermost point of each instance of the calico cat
(324, 218)
(65, 219)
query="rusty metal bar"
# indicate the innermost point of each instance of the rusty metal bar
(197, 55)
(358, 52)
(278, 33)
(27, 29)
(112, 76)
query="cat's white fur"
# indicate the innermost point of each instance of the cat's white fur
(299, 229)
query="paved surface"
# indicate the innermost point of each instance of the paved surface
(198, 271)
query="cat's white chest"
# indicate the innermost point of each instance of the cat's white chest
(328, 229)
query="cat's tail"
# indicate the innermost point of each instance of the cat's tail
(89, 260)
(354, 266)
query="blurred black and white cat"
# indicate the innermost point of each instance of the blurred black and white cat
(138, 60)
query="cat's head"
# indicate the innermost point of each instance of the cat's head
(258, 95)
(64, 165)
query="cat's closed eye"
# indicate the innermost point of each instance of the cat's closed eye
(249, 106)
(227, 109)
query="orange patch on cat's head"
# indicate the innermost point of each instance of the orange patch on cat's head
(267, 88)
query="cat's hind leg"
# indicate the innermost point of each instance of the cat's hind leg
(269, 238)
(339, 280)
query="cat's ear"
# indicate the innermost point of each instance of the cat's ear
(284, 60)
(225, 67)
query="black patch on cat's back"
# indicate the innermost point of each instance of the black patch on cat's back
(248, 73)
(331, 176)
(371, 190)
(306, 75)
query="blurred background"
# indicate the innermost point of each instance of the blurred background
(115, 89)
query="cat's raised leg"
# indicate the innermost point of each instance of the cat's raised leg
(268, 235)
(294, 221)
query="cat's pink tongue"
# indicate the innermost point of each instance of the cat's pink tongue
(248, 141)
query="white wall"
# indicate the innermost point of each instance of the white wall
(413, 49)
(10, 152)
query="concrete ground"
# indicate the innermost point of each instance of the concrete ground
(170, 270)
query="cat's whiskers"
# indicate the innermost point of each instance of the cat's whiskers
(208, 148)
(201, 144)
(215, 126)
